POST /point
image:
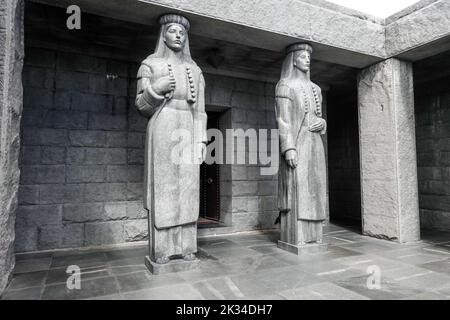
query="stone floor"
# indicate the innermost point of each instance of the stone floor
(248, 266)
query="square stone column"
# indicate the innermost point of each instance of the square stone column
(11, 62)
(390, 206)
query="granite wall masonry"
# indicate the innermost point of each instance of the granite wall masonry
(82, 154)
(80, 159)
(433, 159)
(248, 199)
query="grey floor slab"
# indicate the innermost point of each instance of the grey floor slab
(388, 290)
(321, 291)
(231, 288)
(247, 266)
(32, 265)
(60, 275)
(28, 280)
(144, 280)
(86, 259)
(285, 278)
(442, 266)
(24, 294)
(174, 292)
(89, 289)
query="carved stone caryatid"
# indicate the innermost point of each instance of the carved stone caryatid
(302, 175)
(170, 92)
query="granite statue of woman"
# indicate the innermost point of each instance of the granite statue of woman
(170, 93)
(302, 175)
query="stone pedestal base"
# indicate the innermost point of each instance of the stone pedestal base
(307, 248)
(178, 265)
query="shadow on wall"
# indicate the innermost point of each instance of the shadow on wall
(432, 113)
(344, 163)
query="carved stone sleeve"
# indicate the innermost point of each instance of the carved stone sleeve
(283, 109)
(147, 100)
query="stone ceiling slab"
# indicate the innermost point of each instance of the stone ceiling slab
(420, 33)
(338, 37)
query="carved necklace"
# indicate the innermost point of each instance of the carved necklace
(191, 98)
(192, 90)
(318, 110)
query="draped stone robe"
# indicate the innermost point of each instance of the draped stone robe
(302, 191)
(171, 189)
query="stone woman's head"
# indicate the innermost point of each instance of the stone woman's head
(173, 36)
(298, 57)
(175, 29)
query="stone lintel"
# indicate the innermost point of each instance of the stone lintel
(268, 24)
(420, 31)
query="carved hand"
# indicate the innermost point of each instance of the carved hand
(164, 85)
(291, 158)
(318, 126)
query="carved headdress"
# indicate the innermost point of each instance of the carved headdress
(161, 48)
(288, 65)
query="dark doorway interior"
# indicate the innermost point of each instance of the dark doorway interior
(432, 116)
(210, 184)
(343, 157)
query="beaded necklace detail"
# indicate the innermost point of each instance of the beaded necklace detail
(192, 97)
(169, 95)
(318, 110)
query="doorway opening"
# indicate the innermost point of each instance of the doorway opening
(344, 158)
(210, 182)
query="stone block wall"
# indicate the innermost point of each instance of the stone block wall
(82, 152)
(433, 159)
(248, 197)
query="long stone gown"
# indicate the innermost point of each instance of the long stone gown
(302, 191)
(171, 193)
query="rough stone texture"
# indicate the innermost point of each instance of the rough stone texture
(248, 198)
(11, 61)
(388, 151)
(428, 23)
(433, 158)
(81, 159)
(84, 181)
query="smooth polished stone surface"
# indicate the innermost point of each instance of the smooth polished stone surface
(178, 265)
